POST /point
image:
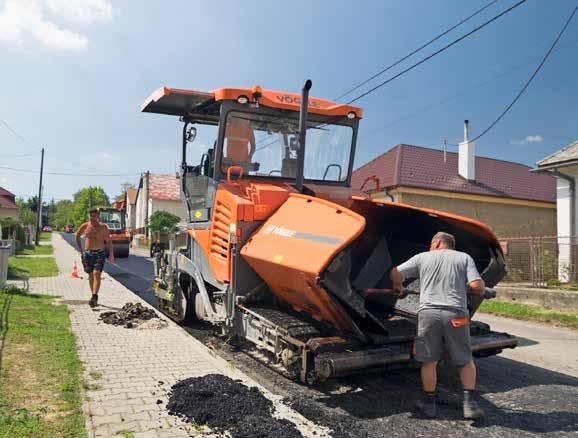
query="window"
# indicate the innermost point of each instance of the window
(266, 145)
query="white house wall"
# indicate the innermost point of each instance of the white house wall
(175, 207)
(130, 216)
(564, 224)
(11, 213)
(140, 207)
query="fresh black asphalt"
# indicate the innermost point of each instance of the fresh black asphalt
(519, 399)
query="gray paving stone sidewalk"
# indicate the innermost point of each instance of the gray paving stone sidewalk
(123, 367)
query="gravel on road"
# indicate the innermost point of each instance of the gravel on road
(131, 315)
(227, 405)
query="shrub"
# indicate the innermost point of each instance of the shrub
(163, 221)
(552, 282)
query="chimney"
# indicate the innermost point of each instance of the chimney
(467, 156)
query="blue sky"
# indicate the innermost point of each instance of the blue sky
(75, 72)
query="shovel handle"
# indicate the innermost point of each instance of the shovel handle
(370, 290)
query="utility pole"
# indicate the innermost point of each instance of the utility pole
(39, 206)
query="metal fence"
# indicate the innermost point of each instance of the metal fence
(540, 261)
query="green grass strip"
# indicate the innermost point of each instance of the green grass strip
(529, 313)
(19, 267)
(36, 250)
(40, 374)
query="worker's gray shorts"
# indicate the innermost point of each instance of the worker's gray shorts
(436, 334)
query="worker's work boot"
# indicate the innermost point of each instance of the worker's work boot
(427, 404)
(93, 300)
(472, 409)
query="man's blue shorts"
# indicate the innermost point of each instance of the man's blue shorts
(93, 260)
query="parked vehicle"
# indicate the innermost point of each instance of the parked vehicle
(47, 229)
(113, 218)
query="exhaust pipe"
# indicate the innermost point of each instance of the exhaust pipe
(302, 134)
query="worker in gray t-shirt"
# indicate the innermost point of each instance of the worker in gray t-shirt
(446, 278)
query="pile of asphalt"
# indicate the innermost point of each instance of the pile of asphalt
(129, 316)
(227, 405)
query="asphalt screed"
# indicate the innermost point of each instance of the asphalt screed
(129, 316)
(227, 405)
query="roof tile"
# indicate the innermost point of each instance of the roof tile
(567, 153)
(419, 167)
(164, 187)
(131, 195)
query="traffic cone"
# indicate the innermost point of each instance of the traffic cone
(74, 273)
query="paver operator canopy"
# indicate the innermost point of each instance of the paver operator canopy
(262, 129)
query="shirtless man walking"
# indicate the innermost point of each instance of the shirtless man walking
(96, 237)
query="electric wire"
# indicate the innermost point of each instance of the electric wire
(530, 79)
(18, 156)
(463, 91)
(25, 141)
(419, 49)
(68, 174)
(17, 135)
(437, 52)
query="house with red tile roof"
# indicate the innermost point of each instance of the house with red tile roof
(130, 207)
(118, 202)
(8, 207)
(157, 192)
(507, 196)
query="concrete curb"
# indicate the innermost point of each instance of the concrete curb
(549, 299)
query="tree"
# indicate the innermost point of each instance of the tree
(84, 200)
(126, 185)
(7, 227)
(27, 216)
(48, 210)
(123, 189)
(62, 214)
(163, 221)
(32, 203)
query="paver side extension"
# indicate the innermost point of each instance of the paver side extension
(123, 367)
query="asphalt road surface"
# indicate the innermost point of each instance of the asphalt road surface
(520, 399)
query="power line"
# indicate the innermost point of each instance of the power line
(534, 74)
(267, 145)
(399, 61)
(462, 92)
(18, 156)
(17, 135)
(24, 140)
(437, 52)
(73, 163)
(68, 174)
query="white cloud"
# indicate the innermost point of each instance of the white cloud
(28, 16)
(105, 156)
(529, 139)
(82, 11)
